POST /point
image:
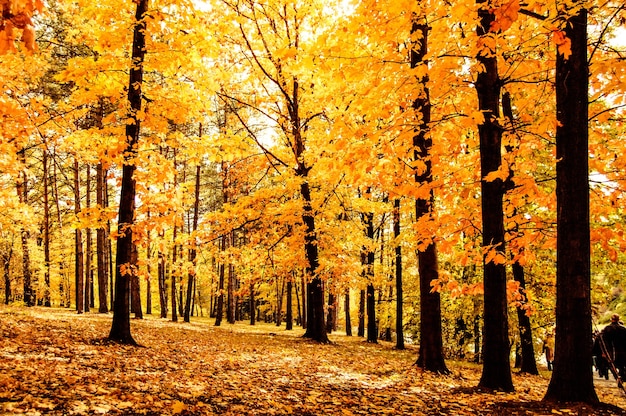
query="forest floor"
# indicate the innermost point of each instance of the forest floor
(53, 361)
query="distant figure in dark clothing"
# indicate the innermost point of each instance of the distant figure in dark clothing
(614, 337)
(598, 359)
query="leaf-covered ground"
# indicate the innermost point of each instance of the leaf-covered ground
(53, 361)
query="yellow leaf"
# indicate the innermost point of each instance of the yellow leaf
(178, 407)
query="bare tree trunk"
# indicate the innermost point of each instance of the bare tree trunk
(252, 305)
(30, 297)
(361, 326)
(496, 363)
(347, 312)
(120, 328)
(572, 378)
(192, 251)
(289, 316)
(101, 243)
(78, 246)
(88, 274)
(46, 227)
(219, 313)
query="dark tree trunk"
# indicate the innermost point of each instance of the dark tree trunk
(174, 276)
(346, 306)
(289, 315)
(528, 363)
(372, 327)
(398, 263)
(252, 305)
(330, 318)
(135, 290)
(315, 329)
(496, 364)
(101, 243)
(46, 228)
(231, 306)
(78, 246)
(219, 309)
(430, 356)
(6, 261)
(361, 326)
(30, 296)
(192, 251)
(149, 271)
(304, 304)
(525, 360)
(572, 378)
(88, 239)
(120, 328)
(299, 310)
(161, 275)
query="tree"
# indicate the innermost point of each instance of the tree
(496, 364)
(431, 342)
(572, 378)
(120, 327)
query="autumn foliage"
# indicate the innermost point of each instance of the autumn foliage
(275, 146)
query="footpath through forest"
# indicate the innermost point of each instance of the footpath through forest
(54, 362)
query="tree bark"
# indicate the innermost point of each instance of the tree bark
(120, 328)
(252, 305)
(496, 373)
(361, 326)
(347, 313)
(88, 240)
(78, 246)
(289, 314)
(46, 227)
(572, 378)
(30, 297)
(430, 356)
(219, 312)
(398, 275)
(101, 244)
(315, 329)
(192, 251)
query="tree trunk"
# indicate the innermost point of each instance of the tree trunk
(572, 378)
(330, 319)
(496, 364)
(252, 305)
(149, 271)
(315, 329)
(30, 296)
(219, 309)
(372, 327)
(192, 251)
(120, 328)
(101, 243)
(135, 289)
(174, 272)
(230, 308)
(299, 311)
(398, 271)
(162, 280)
(6, 259)
(46, 228)
(347, 313)
(88, 239)
(527, 362)
(289, 315)
(430, 356)
(304, 305)
(361, 327)
(78, 246)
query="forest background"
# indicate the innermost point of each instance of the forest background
(270, 130)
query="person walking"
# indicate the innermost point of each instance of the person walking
(614, 337)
